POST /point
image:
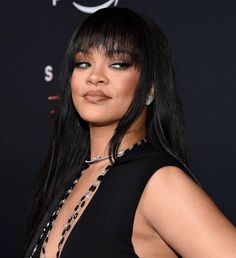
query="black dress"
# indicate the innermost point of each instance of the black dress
(104, 229)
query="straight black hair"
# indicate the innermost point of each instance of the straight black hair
(117, 31)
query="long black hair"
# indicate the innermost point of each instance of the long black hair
(117, 30)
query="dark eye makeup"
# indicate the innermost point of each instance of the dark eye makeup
(120, 65)
(81, 64)
(117, 61)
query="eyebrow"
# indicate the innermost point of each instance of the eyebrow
(81, 53)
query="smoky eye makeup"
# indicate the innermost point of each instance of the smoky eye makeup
(116, 61)
(120, 65)
(81, 64)
(120, 61)
(81, 61)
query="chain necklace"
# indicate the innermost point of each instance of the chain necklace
(86, 196)
(100, 158)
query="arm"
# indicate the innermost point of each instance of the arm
(185, 217)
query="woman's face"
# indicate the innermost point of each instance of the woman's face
(103, 87)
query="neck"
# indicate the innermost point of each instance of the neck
(101, 135)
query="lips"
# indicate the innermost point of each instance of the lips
(95, 96)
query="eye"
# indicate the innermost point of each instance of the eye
(82, 65)
(120, 65)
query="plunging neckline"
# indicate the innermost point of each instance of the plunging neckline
(123, 159)
(80, 213)
(82, 218)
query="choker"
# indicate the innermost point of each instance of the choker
(119, 154)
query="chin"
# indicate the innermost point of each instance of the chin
(99, 120)
(100, 115)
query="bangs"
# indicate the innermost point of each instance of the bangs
(115, 35)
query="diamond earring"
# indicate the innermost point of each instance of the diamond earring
(149, 100)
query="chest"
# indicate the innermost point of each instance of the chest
(110, 223)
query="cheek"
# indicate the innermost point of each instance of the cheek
(76, 89)
(74, 83)
(128, 87)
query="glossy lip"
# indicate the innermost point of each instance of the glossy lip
(96, 95)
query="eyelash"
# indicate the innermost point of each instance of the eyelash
(122, 65)
(116, 66)
(81, 65)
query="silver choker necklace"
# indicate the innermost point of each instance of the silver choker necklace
(119, 154)
(100, 158)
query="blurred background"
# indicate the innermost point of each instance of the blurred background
(34, 37)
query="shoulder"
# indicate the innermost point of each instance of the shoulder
(184, 215)
(171, 177)
(167, 188)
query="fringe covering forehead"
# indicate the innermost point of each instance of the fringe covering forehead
(114, 37)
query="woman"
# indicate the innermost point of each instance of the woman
(117, 182)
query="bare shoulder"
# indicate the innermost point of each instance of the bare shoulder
(185, 216)
(171, 176)
(170, 182)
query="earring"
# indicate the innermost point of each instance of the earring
(149, 99)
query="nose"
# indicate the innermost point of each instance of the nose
(97, 76)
